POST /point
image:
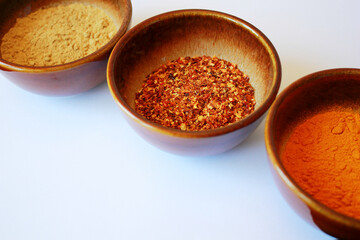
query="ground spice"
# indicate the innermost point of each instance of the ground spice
(196, 93)
(57, 35)
(323, 157)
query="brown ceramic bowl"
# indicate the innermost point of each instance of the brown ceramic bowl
(302, 99)
(70, 78)
(193, 33)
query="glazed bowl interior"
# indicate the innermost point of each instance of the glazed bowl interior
(194, 33)
(118, 10)
(311, 97)
(312, 94)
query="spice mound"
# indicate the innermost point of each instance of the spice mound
(196, 93)
(57, 35)
(323, 156)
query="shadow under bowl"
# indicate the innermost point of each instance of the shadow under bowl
(70, 78)
(304, 98)
(192, 33)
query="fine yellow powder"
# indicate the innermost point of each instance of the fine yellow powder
(57, 35)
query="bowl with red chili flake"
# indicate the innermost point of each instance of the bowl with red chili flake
(194, 82)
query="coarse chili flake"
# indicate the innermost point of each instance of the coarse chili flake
(196, 93)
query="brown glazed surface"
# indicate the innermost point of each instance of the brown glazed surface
(302, 99)
(193, 33)
(66, 79)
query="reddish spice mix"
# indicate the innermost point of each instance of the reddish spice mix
(196, 93)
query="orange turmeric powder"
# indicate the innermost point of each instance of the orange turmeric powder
(323, 156)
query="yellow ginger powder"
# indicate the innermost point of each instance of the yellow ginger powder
(57, 35)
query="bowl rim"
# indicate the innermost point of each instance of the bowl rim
(275, 159)
(95, 56)
(258, 112)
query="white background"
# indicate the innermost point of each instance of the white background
(71, 168)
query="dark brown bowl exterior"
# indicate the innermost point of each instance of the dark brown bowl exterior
(183, 33)
(70, 78)
(300, 100)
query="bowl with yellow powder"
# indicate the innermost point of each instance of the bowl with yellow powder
(60, 47)
(194, 82)
(312, 136)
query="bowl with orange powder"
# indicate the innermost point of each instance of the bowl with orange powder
(194, 82)
(61, 47)
(312, 136)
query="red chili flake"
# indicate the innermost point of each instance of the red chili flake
(196, 93)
